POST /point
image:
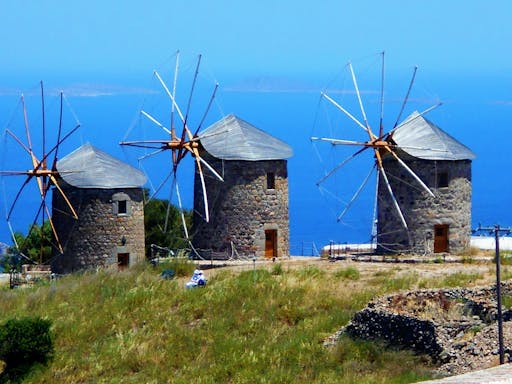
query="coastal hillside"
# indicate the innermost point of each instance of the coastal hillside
(263, 322)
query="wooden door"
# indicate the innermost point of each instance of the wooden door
(270, 243)
(440, 238)
(123, 260)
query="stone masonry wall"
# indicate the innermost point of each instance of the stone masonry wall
(100, 233)
(455, 327)
(451, 206)
(242, 208)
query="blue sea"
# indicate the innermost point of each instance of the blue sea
(476, 110)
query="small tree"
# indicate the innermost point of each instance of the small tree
(24, 342)
(155, 213)
(37, 244)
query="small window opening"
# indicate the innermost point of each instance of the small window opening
(122, 208)
(271, 180)
(442, 179)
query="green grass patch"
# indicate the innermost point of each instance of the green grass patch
(350, 273)
(388, 282)
(387, 365)
(255, 326)
(506, 301)
(460, 279)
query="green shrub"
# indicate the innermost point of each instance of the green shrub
(24, 343)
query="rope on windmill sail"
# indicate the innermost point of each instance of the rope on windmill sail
(195, 251)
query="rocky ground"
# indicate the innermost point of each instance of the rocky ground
(457, 328)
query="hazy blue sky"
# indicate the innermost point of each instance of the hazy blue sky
(110, 42)
(251, 37)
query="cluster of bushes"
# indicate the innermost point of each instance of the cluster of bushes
(24, 344)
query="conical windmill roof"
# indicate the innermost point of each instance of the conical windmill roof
(423, 139)
(89, 167)
(232, 138)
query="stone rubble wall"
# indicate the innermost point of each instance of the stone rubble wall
(455, 327)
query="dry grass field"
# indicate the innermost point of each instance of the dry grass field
(260, 321)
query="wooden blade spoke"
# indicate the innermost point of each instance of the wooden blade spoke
(192, 91)
(174, 83)
(420, 114)
(207, 109)
(356, 195)
(66, 199)
(195, 152)
(203, 186)
(18, 196)
(333, 102)
(41, 186)
(185, 131)
(25, 119)
(159, 150)
(183, 221)
(420, 148)
(27, 149)
(406, 96)
(168, 212)
(54, 148)
(340, 165)
(339, 141)
(155, 121)
(12, 235)
(410, 171)
(356, 87)
(43, 118)
(381, 120)
(160, 186)
(59, 132)
(150, 144)
(15, 173)
(54, 231)
(36, 217)
(171, 96)
(375, 207)
(392, 195)
(430, 109)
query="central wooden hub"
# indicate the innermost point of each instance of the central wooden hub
(41, 172)
(377, 143)
(178, 144)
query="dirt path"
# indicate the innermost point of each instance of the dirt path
(483, 267)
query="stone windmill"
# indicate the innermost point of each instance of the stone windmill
(249, 209)
(107, 195)
(423, 187)
(436, 224)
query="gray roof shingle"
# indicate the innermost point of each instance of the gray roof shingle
(423, 139)
(232, 138)
(89, 167)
